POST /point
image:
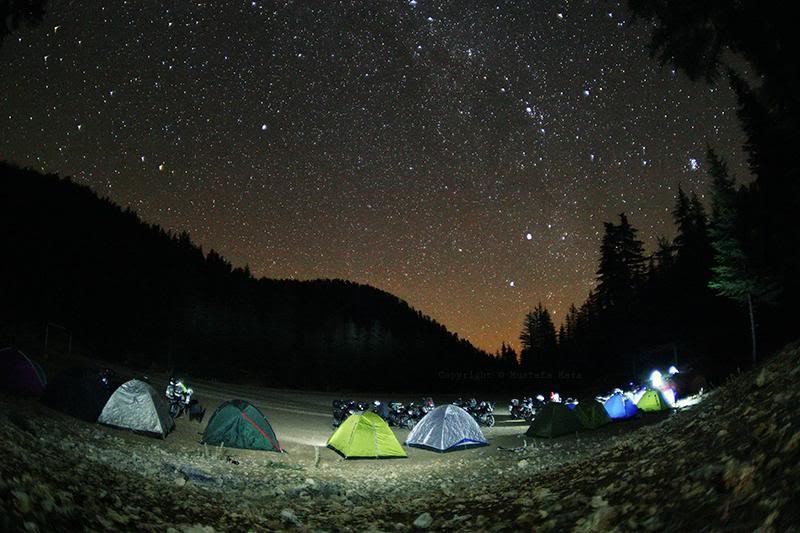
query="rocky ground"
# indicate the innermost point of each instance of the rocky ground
(731, 462)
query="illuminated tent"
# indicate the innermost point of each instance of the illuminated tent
(135, 405)
(446, 428)
(239, 424)
(19, 374)
(591, 414)
(365, 435)
(79, 392)
(652, 400)
(552, 420)
(620, 407)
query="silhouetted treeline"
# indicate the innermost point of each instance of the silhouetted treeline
(134, 292)
(726, 288)
(647, 309)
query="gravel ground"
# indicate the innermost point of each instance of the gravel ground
(731, 462)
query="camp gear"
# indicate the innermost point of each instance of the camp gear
(591, 414)
(81, 392)
(135, 405)
(620, 407)
(19, 374)
(652, 400)
(552, 420)
(365, 435)
(240, 424)
(446, 428)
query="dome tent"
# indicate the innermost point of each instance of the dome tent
(19, 374)
(446, 428)
(239, 424)
(79, 392)
(652, 400)
(620, 407)
(591, 414)
(135, 405)
(552, 420)
(365, 435)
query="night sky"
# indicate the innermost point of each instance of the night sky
(459, 154)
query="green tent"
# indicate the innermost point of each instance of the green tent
(652, 400)
(239, 424)
(591, 414)
(365, 435)
(552, 420)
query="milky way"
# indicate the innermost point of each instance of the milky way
(462, 155)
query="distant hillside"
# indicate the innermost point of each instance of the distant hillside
(135, 292)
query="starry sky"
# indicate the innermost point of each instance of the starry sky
(462, 155)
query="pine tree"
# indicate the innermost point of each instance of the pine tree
(733, 275)
(538, 337)
(622, 264)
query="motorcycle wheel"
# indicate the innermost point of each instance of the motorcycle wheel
(174, 410)
(490, 421)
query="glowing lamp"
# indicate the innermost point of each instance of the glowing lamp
(656, 380)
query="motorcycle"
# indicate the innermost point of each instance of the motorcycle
(521, 409)
(427, 405)
(484, 414)
(342, 409)
(181, 402)
(179, 397)
(526, 408)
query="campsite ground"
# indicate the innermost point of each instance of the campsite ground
(723, 463)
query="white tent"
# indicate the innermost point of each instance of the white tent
(448, 427)
(135, 405)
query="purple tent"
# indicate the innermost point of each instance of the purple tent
(20, 375)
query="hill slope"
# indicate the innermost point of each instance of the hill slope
(134, 292)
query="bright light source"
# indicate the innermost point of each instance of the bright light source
(669, 396)
(672, 370)
(656, 380)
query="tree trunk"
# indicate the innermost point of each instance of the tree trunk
(752, 326)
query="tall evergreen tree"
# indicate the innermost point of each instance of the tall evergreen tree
(733, 275)
(622, 264)
(538, 338)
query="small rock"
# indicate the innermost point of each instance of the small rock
(23, 501)
(523, 463)
(598, 501)
(180, 481)
(423, 521)
(288, 517)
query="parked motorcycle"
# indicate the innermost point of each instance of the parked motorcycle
(526, 408)
(400, 415)
(342, 409)
(179, 397)
(521, 409)
(484, 414)
(427, 405)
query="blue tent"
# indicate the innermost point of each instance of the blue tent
(620, 406)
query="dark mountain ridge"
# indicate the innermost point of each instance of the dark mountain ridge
(137, 293)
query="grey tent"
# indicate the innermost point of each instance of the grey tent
(135, 405)
(446, 428)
